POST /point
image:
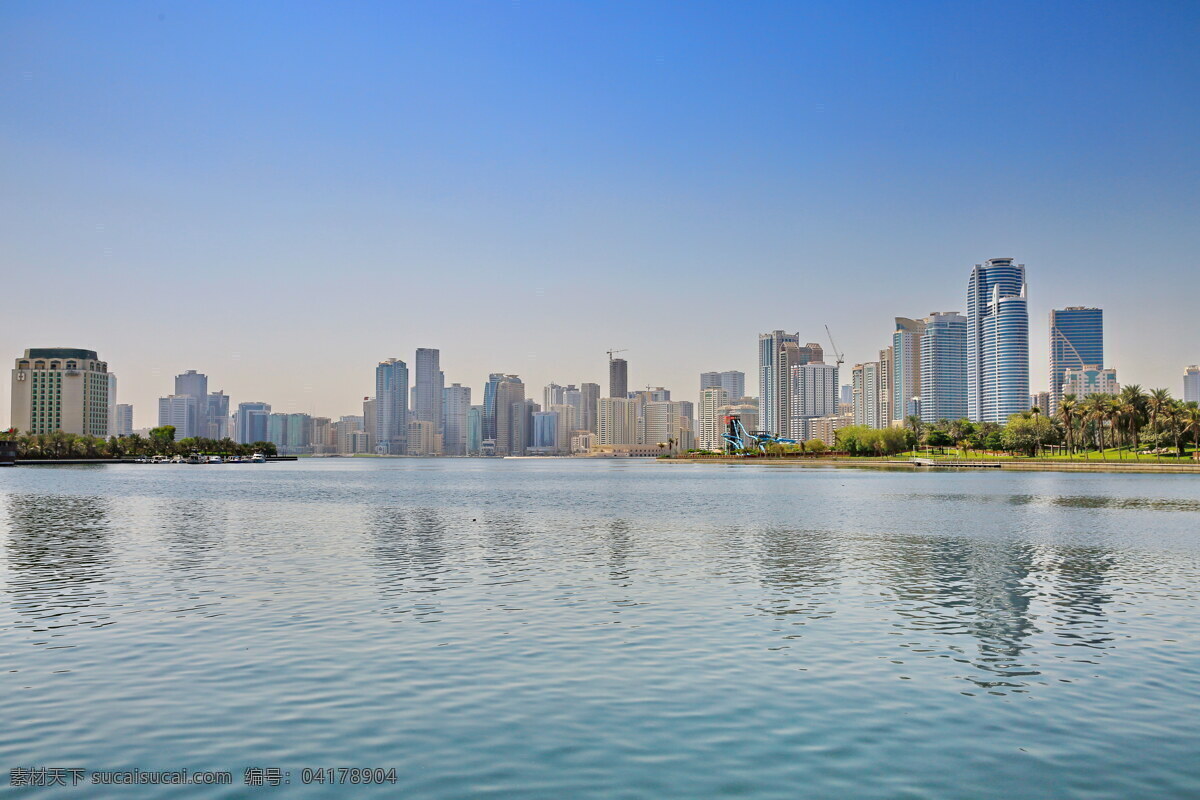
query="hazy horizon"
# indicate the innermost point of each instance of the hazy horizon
(281, 196)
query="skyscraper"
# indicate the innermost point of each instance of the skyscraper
(489, 405)
(772, 381)
(944, 367)
(180, 412)
(732, 381)
(906, 367)
(474, 430)
(712, 423)
(112, 404)
(1076, 341)
(814, 393)
(997, 341)
(618, 378)
(509, 403)
(865, 380)
(617, 420)
(391, 407)
(456, 402)
(1191, 384)
(552, 395)
(590, 397)
(195, 385)
(217, 414)
(428, 387)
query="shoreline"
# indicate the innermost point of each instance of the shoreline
(1022, 466)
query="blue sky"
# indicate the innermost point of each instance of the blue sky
(281, 195)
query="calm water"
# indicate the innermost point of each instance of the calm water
(551, 629)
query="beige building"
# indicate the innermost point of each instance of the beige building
(825, 428)
(423, 438)
(60, 389)
(712, 421)
(617, 421)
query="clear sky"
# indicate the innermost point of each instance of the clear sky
(282, 194)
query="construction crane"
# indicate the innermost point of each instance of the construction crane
(610, 353)
(840, 358)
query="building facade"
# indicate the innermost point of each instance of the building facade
(864, 378)
(456, 402)
(618, 378)
(124, 420)
(1191, 384)
(906, 368)
(251, 422)
(814, 393)
(1089, 380)
(60, 389)
(618, 421)
(712, 422)
(1076, 341)
(427, 387)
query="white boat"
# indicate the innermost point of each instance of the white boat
(258, 458)
(214, 460)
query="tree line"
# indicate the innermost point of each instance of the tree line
(160, 442)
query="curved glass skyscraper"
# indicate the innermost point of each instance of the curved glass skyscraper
(997, 341)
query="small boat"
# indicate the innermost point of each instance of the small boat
(258, 458)
(214, 460)
(194, 458)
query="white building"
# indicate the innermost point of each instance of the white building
(712, 421)
(1191, 384)
(181, 411)
(124, 420)
(865, 383)
(814, 393)
(1090, 380)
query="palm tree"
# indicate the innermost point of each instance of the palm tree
(1156, 403)
(1191, 418)
(1174, 417)
(1068, 412)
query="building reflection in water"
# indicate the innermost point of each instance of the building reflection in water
(994, 592)
(59, 556)
(409, 549)
(802, 569)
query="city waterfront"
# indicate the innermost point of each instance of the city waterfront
(604, 628)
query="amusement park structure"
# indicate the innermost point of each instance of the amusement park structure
(738, 438)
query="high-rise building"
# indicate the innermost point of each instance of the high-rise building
(814, 388)
(456, 402)
(195, 385)
(124, 415)
(180, 412)
(573, 397)
(490, 417)
(545, 432)
(906, 368)
(617, 421)
(732, 381)
(567, 423)
(391, 407)
(1040, 400)
(997, 341)
(847, 393)
(590, 398)
(428, 387)
(552, 395)
(474, 430)
(217, 415)
(1076, 341)
(251, 422)
(865, 380)
(510, 412)
(422, 438)
(1191, 384)
(618, 378)
(886, 376)
(944, 367)
(772, 382)
(370, 422)
(1089, 380)
(712, 422)
(112, 405)
(60, 389)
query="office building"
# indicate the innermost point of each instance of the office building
(195, 385)
(589, 399)
(732, 381)
(1191, 384)
(509, 405)
(997, 341)
(427, 388)
(124, 420)
(180, 411)
(1076, 341)
(391, 407)
(456, 402)
(1040, 400)
(1089, 380)
(847, 394)
(251, 422)
(712, 421)
(60, 389)
(943, 367)
(489, 405)
(217, 415)
(552, 395)
(475, 430)
(618, 378)
(545, 432)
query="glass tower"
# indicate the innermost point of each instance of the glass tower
(1076, 341)
(944, 367)
(997, 341)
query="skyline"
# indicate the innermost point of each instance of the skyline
(283, 202)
